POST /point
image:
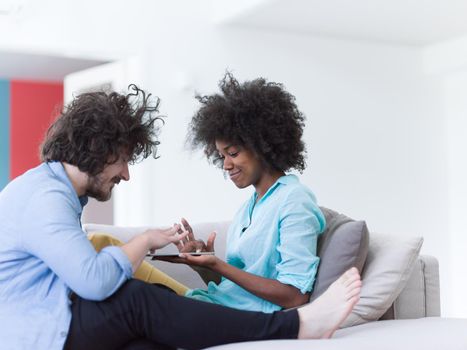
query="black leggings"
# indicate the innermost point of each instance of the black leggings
(145, 316)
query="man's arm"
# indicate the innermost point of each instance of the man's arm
(52, 233)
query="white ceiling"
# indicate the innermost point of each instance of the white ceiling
(406, 22)
(399, 22)
(15, 65)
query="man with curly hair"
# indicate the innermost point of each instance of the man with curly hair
(58, 292)
(254, 132)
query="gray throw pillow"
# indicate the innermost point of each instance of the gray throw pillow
(342, 245)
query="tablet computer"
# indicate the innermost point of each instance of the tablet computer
(166, 255)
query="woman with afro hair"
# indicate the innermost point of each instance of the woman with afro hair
(253, 131)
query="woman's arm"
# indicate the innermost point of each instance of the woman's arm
(208, 275)
(211, 268)
(272, 290)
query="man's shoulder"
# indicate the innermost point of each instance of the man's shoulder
(35, 184)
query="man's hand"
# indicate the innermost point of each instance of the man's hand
(159, 238)
(152, 239)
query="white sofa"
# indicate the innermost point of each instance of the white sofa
(412, 322)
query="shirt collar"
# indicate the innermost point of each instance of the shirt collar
(288, 179)
(284, 180)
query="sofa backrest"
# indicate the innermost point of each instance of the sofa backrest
(182, 273)
(419, 296)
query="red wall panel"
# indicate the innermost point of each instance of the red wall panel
(33, 106)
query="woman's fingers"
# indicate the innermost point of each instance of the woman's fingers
(210, 242)
(187, 227)
(193, 246)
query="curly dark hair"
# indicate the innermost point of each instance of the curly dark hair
(96, 128)
(259, 115)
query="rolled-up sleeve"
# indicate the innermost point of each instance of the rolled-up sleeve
(52, 232)
(300, 224)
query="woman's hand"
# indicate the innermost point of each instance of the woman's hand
(207, 261)
(191, 245)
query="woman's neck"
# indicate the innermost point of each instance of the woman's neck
(265, 183)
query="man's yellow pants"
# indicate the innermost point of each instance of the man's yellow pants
(146, 272)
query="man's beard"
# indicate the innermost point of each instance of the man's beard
(95, 188)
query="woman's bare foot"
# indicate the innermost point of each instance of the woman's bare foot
(321, 318)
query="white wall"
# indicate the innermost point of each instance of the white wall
(372, 122)
(448, 62)
(455, 112)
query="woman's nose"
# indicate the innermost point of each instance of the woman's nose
(228, 164)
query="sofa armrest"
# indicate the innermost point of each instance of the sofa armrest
(420, 297)
(432, 285)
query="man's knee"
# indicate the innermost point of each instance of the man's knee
(102, 240)
(132, 287)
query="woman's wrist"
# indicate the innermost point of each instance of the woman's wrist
(216, 265)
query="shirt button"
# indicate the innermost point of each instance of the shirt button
(63, 334)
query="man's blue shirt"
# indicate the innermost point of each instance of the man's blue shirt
(44, 255)
(275, 238)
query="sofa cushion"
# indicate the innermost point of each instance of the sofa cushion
(387, 269)
(342, 245)
(431, 333)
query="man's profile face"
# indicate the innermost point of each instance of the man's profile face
(100, 186)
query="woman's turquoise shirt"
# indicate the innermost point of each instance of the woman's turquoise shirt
(275, 238)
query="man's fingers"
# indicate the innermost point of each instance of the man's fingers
(176, 228)
(178, 238)
(179, 245)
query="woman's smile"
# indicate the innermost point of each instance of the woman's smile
(234, 174)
